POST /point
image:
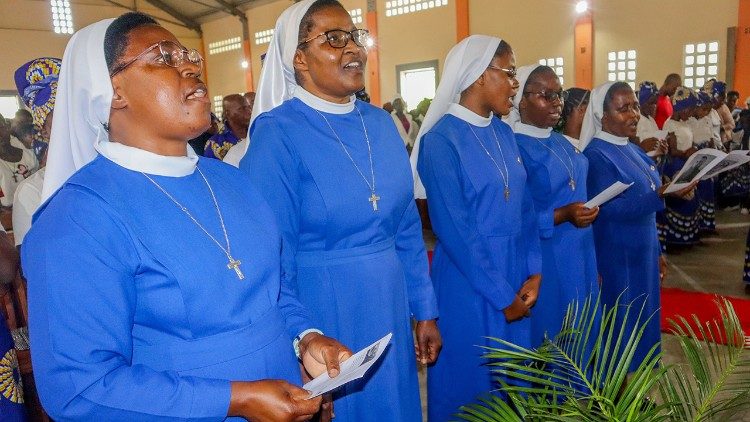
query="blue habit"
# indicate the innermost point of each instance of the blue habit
(568, 257)
(361, 273)
(486, 248)
(133, 312)
(627, 247)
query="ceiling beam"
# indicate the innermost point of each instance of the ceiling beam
(114, 3)
(177, 15)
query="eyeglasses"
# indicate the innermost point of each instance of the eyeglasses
(550, 96)
(338, 38)
(510, 72)
(172, 54)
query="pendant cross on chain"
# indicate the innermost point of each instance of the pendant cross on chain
(374, 199)
(234, 264)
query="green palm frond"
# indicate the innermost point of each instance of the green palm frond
(581, 374)
(714, 383)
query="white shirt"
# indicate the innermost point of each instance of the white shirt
(647, 128)
(682, 131)
(11, 174)
(26, 201)
(410, 136)
(702, 129)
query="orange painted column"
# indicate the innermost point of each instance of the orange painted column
(742, 51)
(462, 19)
(249, 70)
(583, 56)
(373, 55)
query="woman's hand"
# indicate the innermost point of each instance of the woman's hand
(649, 144)
(529, 292)
(684, 193)
(428, 343)
(516, 310)
(576, 214)
(320, 354)
(663, 268)
(271, 401)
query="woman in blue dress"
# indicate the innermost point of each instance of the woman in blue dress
(153, 293)
(627, 247)
(487, 263)
(335, 174)
(557, 177)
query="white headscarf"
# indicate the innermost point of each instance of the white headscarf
(592, 120)
(84, 98)
(82, 107)
(464, 64)
(522, 76)
(276, 83)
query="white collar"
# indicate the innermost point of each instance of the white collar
(137, 159)
(612, 139)
(469, 116)
(533, 131)
(322, 105)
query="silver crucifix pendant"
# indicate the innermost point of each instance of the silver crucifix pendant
(374, 199)
(234, 264)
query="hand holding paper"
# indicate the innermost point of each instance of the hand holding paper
(607, 194)
(351, 369)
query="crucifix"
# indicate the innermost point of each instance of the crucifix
(374, 199)
(234, 264)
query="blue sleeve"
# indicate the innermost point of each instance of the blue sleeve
(82, 269)
(626, 206)
(530, 225)
(411, 251)
(273, 170)
(538, 183)
(441, 172)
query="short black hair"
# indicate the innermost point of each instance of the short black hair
(23, 112)
(536, 73)
(733, 94)
(24, 130)
(116, 38)
(576, 98)
(306, 24)
(617, 86)
(503, 49)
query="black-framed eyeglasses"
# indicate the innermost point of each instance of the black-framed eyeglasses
(550, 96)
(338, 38)
(512, 72)
(172, 54)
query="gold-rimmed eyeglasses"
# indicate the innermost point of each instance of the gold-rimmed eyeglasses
(512, 72)
(172, 54)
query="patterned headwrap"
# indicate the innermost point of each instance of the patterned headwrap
(703, 98)
(646, 91)
(684, 98)
(36, 82)
(715, 88)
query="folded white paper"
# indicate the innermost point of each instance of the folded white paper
(607, 194)
(704, 161)
(350, 370)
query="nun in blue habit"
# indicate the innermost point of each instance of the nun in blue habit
(557, 178)
(487, 263)
(335, 173)
(627, 247)
(153, 294)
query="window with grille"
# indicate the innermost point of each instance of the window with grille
(356, 15)
(701, 63)
(402, 7)
(224, 45)
(621, 66)
(556, 63)
(263, 37)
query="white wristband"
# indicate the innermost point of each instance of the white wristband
(299, 338)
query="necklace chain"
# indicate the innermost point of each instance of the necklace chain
(233, 263)
(571, 169)
(640, 167)
(505, 176)
(374, 198)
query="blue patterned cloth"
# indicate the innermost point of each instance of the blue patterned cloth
(36, 82)
(646, 91)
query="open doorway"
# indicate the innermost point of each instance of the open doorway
(417, 81)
